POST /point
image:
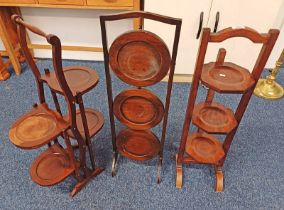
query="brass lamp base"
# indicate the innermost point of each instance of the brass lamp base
(270, 90)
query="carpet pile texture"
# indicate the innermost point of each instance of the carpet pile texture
(254, 169)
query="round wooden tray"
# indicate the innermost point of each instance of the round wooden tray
(214, 118)
(36, 128)
(79, 78)
(95, 121)
(51, 167)
(138, 109)
(137, 145)
(229, 78)
(204, 148)
(139, 58)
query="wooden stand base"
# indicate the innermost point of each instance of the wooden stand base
(114, 161)
(219, 176)
(219, 179)
(159, 170)
(82, 183)
(178, 174)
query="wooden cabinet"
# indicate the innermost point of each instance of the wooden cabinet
(122, 3)
(17, 1)
(62, 2)
(260, 15)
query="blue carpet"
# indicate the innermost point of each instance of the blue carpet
(254, 175)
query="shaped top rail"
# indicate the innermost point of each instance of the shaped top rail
(142, 14)
(245, 32)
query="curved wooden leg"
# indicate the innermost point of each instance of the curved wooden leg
(4, 73)
(159, 179)
(178, 174)
(82, 183)
(114, 161)
(219, 179)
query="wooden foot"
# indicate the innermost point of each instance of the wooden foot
(75, 146)
(114, 161)
(159, 179)
(82, 184)
(4, 74)
(219, 179)
(178, 174)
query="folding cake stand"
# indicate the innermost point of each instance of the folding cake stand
(43, 126)
(210, 117)
(139, 58)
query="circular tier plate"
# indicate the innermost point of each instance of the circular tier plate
(33, 131)
(80, 79)
(214, 118)
(95, 122)
(226, 78)
(37, 127)
(138, 109)
(137, 145)
(139, 58)
(51, 167)
(204, 148)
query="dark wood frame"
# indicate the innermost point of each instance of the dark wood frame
(267, 40)
(141, 15)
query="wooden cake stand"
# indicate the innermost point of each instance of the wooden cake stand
(42, 126)
(209, 117)
(139, 58)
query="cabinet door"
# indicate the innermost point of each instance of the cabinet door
(189, 11)
(259, 15)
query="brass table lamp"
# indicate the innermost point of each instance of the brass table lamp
(268, 88)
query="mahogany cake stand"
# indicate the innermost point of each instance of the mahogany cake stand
(139, 58)
(201, 146)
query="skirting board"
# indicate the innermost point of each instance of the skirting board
(180, 78)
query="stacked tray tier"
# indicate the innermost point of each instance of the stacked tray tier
(227, 78)
(214, 118)
(204, 148)
(138, 144)
(52, 166)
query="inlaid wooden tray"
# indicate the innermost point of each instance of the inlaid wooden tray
(138, 109)
(36, 128)
(214, 118)
(204, 148)
(227, 78)
(80, 79)
(95, 120)
(139, 58)
(51, 167)
(137, 145)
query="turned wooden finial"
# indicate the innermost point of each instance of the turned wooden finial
(219, 62)
(220, 57)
